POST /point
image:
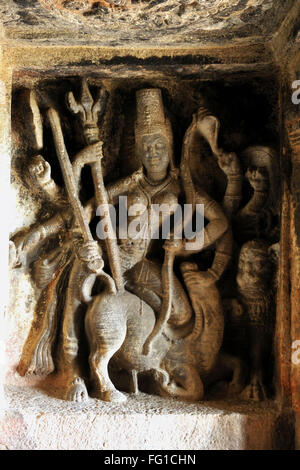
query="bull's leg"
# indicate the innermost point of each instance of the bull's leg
(161, 377)
(105, 389)
(106, 329)
(134, 382)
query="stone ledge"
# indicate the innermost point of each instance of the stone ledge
(33, 420)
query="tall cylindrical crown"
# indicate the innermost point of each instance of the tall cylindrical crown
(151, 119)
(150, 111)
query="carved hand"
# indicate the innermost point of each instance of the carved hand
(90, 254)
(174, 246)
(229, 163)
(91, 153)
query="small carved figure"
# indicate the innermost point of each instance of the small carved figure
(257, 219)
(254, 311)
(47, 268)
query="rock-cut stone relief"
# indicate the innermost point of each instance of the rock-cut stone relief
(145, 312)
(209, 15)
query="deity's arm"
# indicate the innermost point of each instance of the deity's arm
(38, 233)
(230, 204)
(169, 202)
(217, 225)
(222, 255)
(86, 156)
(230, 165)
(52, 226)
(259, 182)
(121, 187)
(114, 190)
(218, 230)
(233, 195)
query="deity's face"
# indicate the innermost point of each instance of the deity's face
(155, 154)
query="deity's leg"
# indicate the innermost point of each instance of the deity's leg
(106, 330)
(71, 329)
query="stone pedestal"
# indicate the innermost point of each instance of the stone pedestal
(34, 420)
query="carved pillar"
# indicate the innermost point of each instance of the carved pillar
(294, 140)
(282, 334)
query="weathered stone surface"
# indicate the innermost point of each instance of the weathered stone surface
(35, 421)
(172, 21)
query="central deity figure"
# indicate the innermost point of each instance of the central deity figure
(143, 319)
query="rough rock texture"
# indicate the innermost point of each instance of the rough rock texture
(35, 421)
(173, 21)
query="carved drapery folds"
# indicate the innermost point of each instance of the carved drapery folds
(182, 316)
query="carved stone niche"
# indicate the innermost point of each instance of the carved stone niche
(117, 311)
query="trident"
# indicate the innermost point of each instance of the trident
(88, 112)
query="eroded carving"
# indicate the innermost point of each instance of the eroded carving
(256, 292)
(162, 14)
(146, 314)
